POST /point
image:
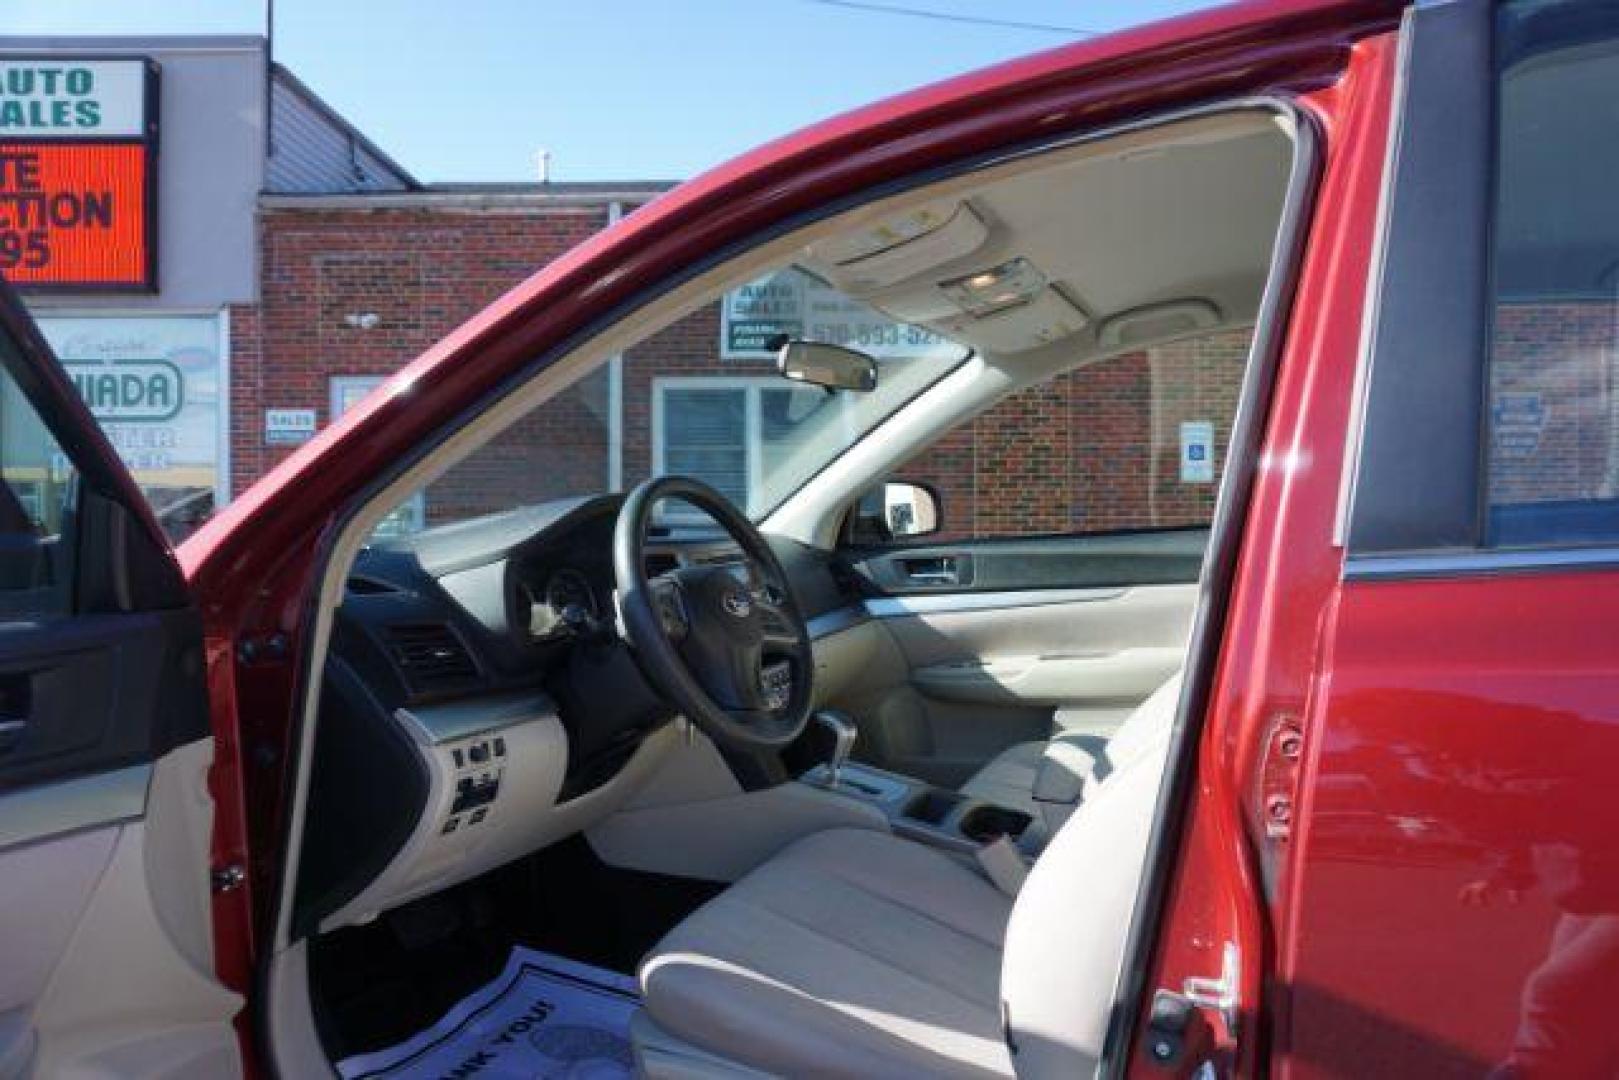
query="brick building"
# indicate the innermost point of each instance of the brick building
(353, 286)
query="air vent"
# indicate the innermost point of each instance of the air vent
(364, 586)
(432, 656)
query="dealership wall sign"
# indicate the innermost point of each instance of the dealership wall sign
(154, 385)
(791, 302)
(130, 389)
(78, 173)
(288, 427)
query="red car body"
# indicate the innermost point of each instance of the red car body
(1369, 744)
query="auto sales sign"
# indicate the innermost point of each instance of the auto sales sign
(78, 156)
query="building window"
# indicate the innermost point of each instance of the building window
(1554, 362)
(348, 391)
(732, 433)
(409, 516)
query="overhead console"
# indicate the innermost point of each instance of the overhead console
(1001, 304)
(888, 253)
(1078, 250)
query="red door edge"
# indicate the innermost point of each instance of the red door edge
(1288, 568)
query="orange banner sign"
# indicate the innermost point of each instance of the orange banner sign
(76, 214)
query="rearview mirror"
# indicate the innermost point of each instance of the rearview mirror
(831, 366)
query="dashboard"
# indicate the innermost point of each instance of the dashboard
(478, 703)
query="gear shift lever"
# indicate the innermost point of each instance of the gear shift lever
(844, 734)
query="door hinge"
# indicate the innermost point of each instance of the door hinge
(1221, 994)
(224, 879)
(1279, 777)
(1173, 1027)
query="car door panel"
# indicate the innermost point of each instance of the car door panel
(105, 748)
(105, 927)
(1070, 682)
(1168, 556)
(69, 686)
(44, 889)
(991, 676)
(940, 683)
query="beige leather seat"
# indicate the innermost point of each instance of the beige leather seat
(1010, 777)
(858, 953)
(1028, 774)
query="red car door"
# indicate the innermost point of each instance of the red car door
(1403, 799)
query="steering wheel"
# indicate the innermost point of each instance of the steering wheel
(725, 645)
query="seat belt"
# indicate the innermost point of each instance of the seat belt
(1002, 862)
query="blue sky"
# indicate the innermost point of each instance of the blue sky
(631, 89)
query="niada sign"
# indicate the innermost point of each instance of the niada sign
(154, 385)
(67, 98)
(145, 390)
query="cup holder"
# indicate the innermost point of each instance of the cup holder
(986, 823)
(932, 806)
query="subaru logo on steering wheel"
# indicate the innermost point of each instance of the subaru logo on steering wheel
(738, 603)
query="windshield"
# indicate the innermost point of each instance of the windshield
(699, 398)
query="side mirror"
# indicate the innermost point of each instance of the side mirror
(831, 366)
(895, 510)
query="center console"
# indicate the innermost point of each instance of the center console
(919, 811)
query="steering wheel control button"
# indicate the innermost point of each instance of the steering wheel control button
(776, 684)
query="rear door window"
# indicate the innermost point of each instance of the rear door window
(1553, 417)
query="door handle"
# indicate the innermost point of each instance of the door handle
(940, 570)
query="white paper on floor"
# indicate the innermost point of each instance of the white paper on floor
(544, 1016)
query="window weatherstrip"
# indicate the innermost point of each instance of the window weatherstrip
(1354, 435)
(1479, 563)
